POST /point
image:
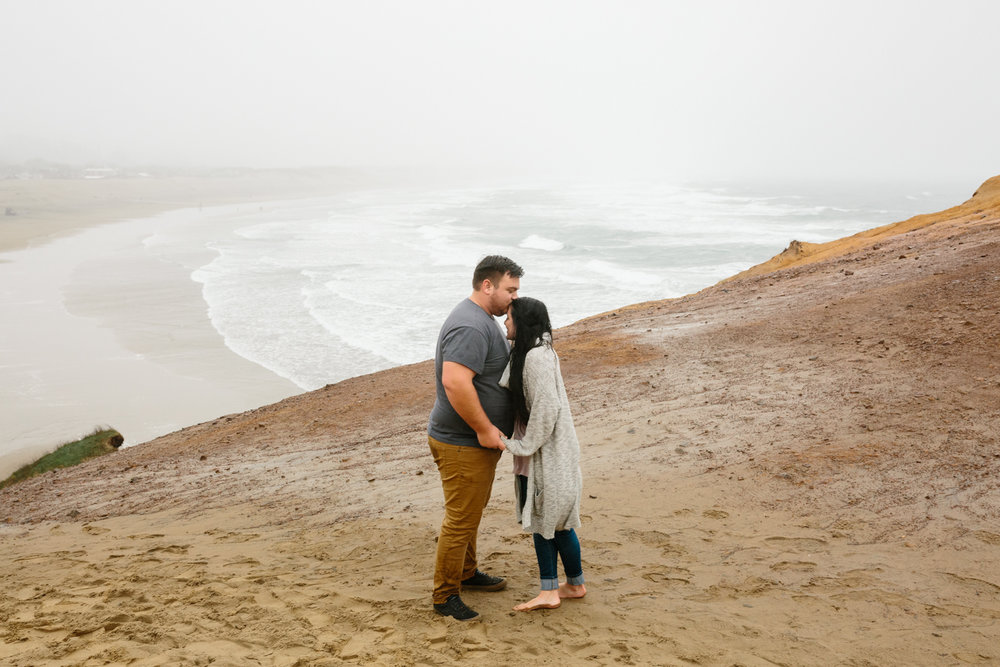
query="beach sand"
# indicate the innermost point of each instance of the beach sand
(798, 466)
(71, 264)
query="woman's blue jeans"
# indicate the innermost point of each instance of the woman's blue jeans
(567, 546)
(564, 545)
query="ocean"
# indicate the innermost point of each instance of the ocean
(323, 290)
(314, 291)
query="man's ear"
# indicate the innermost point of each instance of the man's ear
(488, 286)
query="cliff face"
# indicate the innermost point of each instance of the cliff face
(814, 440)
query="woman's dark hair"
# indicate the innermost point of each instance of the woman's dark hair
(531, 323)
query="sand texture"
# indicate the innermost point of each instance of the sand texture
(798, 466)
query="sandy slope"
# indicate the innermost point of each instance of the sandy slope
(794, 467)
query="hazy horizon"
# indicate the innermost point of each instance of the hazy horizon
(719, 90)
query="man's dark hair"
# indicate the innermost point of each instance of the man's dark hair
(493, 268)
(531, 329)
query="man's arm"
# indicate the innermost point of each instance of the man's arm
(457, 381)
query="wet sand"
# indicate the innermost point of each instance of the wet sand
(105, 317)
(797, 466)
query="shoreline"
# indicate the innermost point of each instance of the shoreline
(93, 217)
(65, 224)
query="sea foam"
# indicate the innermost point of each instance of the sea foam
(536, 242)
(331, 288)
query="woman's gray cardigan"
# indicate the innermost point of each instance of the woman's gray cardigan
(554, 479)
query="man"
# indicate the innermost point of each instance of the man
(470, 413)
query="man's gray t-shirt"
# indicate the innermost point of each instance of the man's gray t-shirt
(471, 337)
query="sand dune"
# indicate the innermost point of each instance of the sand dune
(798, 466)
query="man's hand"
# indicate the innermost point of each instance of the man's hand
(491, 439)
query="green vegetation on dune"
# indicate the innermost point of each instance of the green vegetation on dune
(98, 443)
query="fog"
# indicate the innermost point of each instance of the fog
(733, 89)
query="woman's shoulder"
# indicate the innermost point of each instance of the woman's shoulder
(542, 355)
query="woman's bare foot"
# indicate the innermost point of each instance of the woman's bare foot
(569, 591)
(545, 600)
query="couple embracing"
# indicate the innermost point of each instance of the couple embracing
(494, 396)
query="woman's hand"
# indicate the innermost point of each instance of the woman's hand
(491, 438)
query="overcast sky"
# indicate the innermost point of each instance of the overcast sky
(728, 89)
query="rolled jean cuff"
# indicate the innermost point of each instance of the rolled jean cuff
(550, 584)
(575, 581)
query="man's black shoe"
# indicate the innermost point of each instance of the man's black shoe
(455, 608)
(481, 581)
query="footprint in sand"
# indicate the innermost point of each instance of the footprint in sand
(668, 574)
(585, 647)
(225, 536)
(475, 638)
(987, 537)
(26, 593)
(95, 530)
(794, 566)
(360, 645)
(980, 587)
(243, 560)
(749, 587)
(655, 538)
(55, 555)
(797, 543)
(170, 549)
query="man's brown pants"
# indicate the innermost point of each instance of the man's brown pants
(467, 480)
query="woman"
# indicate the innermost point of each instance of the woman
(547, 463)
